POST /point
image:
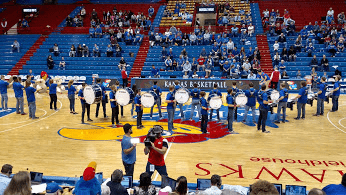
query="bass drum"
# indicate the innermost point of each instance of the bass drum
(92, 94)
(273, 94)
(215, 102)
(147, 100)
(124, 96)
(182, 95)
(241, 99)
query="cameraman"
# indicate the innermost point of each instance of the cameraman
(156, 153)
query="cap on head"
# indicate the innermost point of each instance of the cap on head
(52, 187)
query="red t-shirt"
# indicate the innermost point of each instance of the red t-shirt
(201, 61)
(156, 158)
(276, 76)
(123, 74)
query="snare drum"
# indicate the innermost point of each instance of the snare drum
(182, 95)
(215, 102)
(92, 94)
(124, 96)
(241, 99)
(147, 100)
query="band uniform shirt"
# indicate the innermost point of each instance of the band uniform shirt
(30, 94)
(156, 158)
(3, 87)
(81, 94)
(126, 144)
(304, 95)
(138, 101)
(52, 88)
(112, 96)
(204, 103)
(72, 90)
(18, 89)
(157, 90)
(170, 96)
(284, 93)
(336, 85)
(323, 88)
(251, 95)
(195, 93)
(230, 100)
(262, 96)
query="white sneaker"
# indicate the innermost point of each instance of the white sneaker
(9, 109)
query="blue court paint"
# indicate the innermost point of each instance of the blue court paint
(4, 113)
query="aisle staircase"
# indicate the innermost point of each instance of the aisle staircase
(140, 59)
(266, 61)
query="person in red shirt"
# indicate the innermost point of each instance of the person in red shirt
(156, 152)
(124, 76)
(274, 78)
(201, 62)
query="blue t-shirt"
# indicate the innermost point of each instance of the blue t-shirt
(138, 101)
(52, 88)
(304, 95)
(170, 96)
(336, 85)
(18, 89)
(81, 94)
(284, 93)
(176, 88)
(323, 88)
(334, 189)
(112, 96)
(251, 95)
(195, 93)
(3, 87)
(30, 94)
(126, 144)
(229, 99)
(262, 96)
(157, 90)
(72, 90)
(204, 104)
(215, 91)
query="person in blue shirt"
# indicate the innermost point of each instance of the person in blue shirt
(151, 11)
(177, 86)
(195, 95)
(199, 39)
(243, 37)
(5, 179)
(158, 92)
(52, 94)
(25, 23)
(264, 78)
(170, 100)
(263, 101)
(91, 32)
(163, 53)
(128, 150)
(332, 49)
(251, 95)
(155, 72)
(114, 106)
(30, 95)
(71, 92)
(204, 112)
(83, 103)
(139, 109)
(3, 90)
(282, 103)
(302, 100)
(336, 94)
(321, 95)
(334, 189)
(104, 99)
(168, 64)
(235, 31)
(18, 93)
(96, 51)
(230, 104)
(98, 31)
(216, 92)
(226, 69)
(235, 90)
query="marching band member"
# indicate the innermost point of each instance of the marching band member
(158, 92)
(18, 93)
(139, 109)
(321, 95)
(30, 95)
(302, 100)
(114, 106)
(231, 105)
(84, 104)
(104, 99)
(235, 90)
(170, 100)
(71, 92)
(204, 112)
(262, 99)
(336, 94)
(177, 86)
(218, 93)
(3, 90)
(251, 95)
(117, 85)
(134, 89)
(282, 103)
(195, 94)
(52, 94)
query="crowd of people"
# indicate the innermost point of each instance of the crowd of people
(179, 11)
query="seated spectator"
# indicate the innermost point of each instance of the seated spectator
(15, 46)
(25, 23)
(201, 62)
(79, 50)
(83, 12)
(5, 179)
(168, 64)
(276, 59)
(62, 64)
(314, 62)
(226, 69)
(163, 54)
(332, 49)
(85, 51)
(109, 51)
(299, 75)
(137, 40)
(184, 54)
(276, 46)
(310, 49)
(115, 183)
(151, 11)
(96, 51)
(330, 15)
(256, 67)
(341, 18)
(128, 39)
(243, 28)
(92, 32)
(282, 66)
(98, 31)
(88, 184)
(208, 68)
(264, 187)
(155, 72)
(308, 41)
(122, 63)
(19, 184)
(243, 38)
(250, 30)
(56, 50)
(72, 52)
(185, 39)
(298, 44)
(215, 186)
(50, 62)
(187, 67)
(246, 67)
(234, 72)
(199, 39)
(206, 38)
(53, 189)
(251, 76)
(325, 64)
(181, 188)
(234, 31)
(118, 50)
(180, 63)
(292, 54)
(145, 186)
(282, 40)
(193, 39)
(341, 46)
(69, 21)
(203, 53)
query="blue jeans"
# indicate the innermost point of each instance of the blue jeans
(170, 113)
(71, 97)
(195, 102)
(133, 106)
(181, 110)
(262, 119)
(161, 169)
(4, 100)
(217, 114)
(20, 105)
(32, 109)
(335, 103)
(283, 106)
(103, 108)
(230, 118)
(320, 106)
(247, 108)
(158, 103)
(204, 123)
(301, 110)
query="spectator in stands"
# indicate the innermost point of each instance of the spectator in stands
(276, 59)
(314, 62)
(180, 63)
(310, 49)
(325, 64)
(299, 75)
(193, 39)
(137, 40)
(251, 76)
(184, 54)
(72, 52)
(215, 186)
(5, 179)
(282, 40)
(50, 62)
(62, 64)
(330, 15)
(264, 187)
(246, 67)
(85, 51)
(122, 63)
(145, 186)
(181, 188)
(226, 69)
(282, 66)
(96, 51)
(118, 50)
(25, 23)
(201, 62)
(94, 15)
(185, 39)
(234, 31)
(98, 31)
(163, 54)
(243, 38)
(250, 30)
(304, 33)
(20, 184)
(335, 189)
(109, 51)
(15, 46)
(115, 183)
(208, 68)
(265, 14)
(332, 49)
(168, 64)
(276, 46)
(298, 44)
(187, 67)
(292, 54)
(341, 46)
(124, 76)
(203, 53)
(155, 72)
(56, 50)
(151, 11)
(341, 18)
(4, 26)
(83, 12)
(79, 50)
(92, 32)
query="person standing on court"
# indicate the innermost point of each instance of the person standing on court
(231, 105)
(204, 112)
(251, 95)
(156, 152)
(3, 90)
(195, 94)
(103, 101)
(158, 92)
(18, 93)
(321, 95)
(128, 150)
(124, 77)
(71, 94)
(216, 92)
(84, 104)
(302, 100)
(139, 109)
(282, 104)
(30, 96)
(336, 94)
(170, 100)
(235, 90)
(262, 99)
(114, 106)
(177, 86)
(52, 94)
(275, 78)
(117, 85)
